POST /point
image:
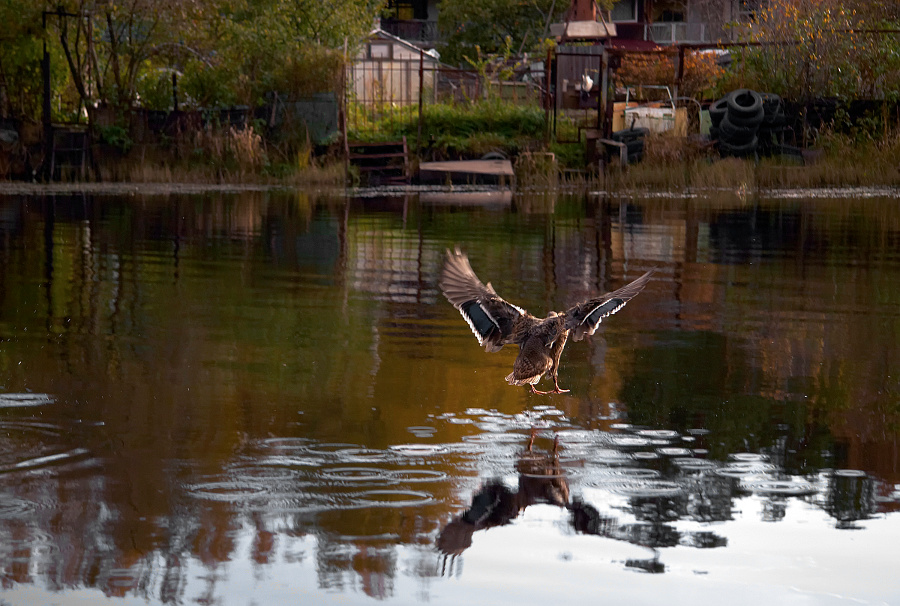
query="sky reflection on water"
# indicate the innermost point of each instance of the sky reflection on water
(262, 397)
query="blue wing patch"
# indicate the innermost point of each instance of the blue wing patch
(481, 322)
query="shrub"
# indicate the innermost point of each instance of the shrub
(818, 48)
(701, 75)
(117, 136)
(453, 130)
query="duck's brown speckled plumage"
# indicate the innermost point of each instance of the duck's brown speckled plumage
(541, 341)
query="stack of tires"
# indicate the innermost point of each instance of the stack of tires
(744, 122)
(633, 138)
(774, 122)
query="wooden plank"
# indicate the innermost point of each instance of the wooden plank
(622, 149)
(397, 144)
(500, 168)
(380, 168)
(377, 156)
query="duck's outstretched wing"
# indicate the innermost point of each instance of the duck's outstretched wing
(584, 318)
(490, 317)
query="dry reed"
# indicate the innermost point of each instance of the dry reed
(676, 164)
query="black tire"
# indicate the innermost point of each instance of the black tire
(717, 111)
(635, 157)
(635, 146)
(743, 103)
(775, 121)
(788, 150)
(630, 134)
(734, 133)
(713, 133)
(494, 155)
(749, 121)
(772, 104)
(765, 135)
(627, 140)
(766, 142)
(738, 150)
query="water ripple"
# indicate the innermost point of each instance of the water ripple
(284, 443)
(357, 474)
(47, 460)
(624, 441)
(645, 488)
(786, 488)
(418, 475)
(692, 464)
(31, 445)
(747, 457)
(495, 438)
(228, 491)
(741, 469)
(658, 434)
(14, 507)
(392, 498)
(673, 452)
(419, 450)
(850, 473)
(361, 455)
(606, 477)
(24, 400)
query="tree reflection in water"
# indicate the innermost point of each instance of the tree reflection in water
(200, 387)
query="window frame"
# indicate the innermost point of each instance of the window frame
(635, 12)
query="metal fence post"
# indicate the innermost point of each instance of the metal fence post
(547, 96)
(421, 99)
(603, 99)
(344, 106)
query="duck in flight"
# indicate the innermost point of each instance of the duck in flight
(541, 341)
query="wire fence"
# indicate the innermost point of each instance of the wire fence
(386, 91)
(390, 88)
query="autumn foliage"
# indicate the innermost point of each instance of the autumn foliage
(822, 48)
(700, 75)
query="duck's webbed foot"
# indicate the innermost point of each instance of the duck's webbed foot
(557, 389)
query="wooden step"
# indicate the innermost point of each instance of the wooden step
(376, 143)
(380, 160)
(364, 168)
(378, 156)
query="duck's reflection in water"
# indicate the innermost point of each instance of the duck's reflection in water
(541, 481)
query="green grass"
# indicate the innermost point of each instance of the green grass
(449, 131)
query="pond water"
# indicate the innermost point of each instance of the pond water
(262, 398)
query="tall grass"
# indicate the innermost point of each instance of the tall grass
(150, 172)
(219, 155)
(537, 170)
(238, 152)
(672, 164)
